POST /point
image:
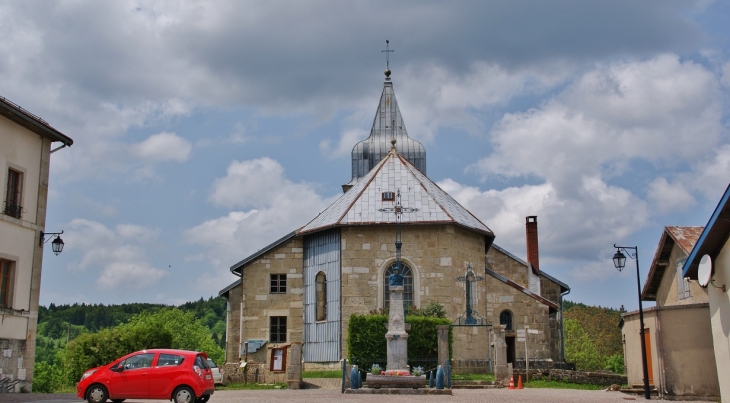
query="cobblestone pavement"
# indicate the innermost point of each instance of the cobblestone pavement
(333, 396)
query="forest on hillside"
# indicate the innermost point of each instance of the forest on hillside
(593, 337)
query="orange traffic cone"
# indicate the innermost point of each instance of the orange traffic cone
(519, 382)
(512, 382)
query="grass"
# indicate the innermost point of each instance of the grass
(322, 374)
(472, 377)
(561, 385)
(248, 386)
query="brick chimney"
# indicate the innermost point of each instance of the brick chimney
(533, 255)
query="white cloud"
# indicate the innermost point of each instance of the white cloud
(117, 257)
(278, 206)
(164, 147)
(711, 175)
(667, 197)
(348, 139)
(658, 110)
(570, 228)
(433, 96)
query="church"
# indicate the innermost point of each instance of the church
(302, 288)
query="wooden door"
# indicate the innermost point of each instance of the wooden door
(650, 370)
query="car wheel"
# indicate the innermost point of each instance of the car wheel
(96, 394)
(202, 399)
(183, 394)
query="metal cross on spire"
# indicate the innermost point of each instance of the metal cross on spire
(398, 209)
(470, 317)
(387, 52)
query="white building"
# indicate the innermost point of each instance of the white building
(714, 243)
(25, 154)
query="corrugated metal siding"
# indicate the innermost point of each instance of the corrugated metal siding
(322, 339)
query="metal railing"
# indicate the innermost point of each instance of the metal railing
(12, 209)
(7, 385)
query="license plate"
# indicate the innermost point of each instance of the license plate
(208, 377)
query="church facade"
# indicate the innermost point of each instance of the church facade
(304, 287)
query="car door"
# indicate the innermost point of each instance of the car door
(167, 373)
(130, 379)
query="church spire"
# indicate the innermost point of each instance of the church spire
(388, 125)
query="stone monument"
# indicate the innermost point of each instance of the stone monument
(397, 337)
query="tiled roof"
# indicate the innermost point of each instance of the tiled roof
(685, 238)
(361, 204)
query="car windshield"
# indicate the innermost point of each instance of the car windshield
(211, 363)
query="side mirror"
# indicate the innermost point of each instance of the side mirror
(118, 368)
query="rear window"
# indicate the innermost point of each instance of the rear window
(201, 361)
(211, 363)
(170, 359)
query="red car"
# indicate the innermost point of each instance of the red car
(179, 375)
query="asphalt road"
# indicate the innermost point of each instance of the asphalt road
(332, 396)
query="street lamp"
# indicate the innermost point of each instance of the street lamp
(619, 260)
(57, 243)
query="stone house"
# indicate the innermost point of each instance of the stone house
(25, 155)
(303, 288)
(676, 370)
(713, 247)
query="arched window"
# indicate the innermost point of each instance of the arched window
(321, 291)
(407, 284)
(505, 319)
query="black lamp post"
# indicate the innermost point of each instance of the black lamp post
(619, 260)
(57, 243)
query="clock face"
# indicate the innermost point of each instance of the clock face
(704, 271)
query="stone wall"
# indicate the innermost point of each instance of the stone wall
(580, 377)
(234, 341)
(525, 309)
(13, 364)
(551, 291)
(257, 369)
(437, 255)
(252, 303)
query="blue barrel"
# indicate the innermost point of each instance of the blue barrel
(439, 378)
(354, 378)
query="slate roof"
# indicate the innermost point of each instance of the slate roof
(361, 204)
(685, 238)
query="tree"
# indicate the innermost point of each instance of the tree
(187, 331)
(580, 348)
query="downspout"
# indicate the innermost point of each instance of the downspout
(660, 354)
(562, 325)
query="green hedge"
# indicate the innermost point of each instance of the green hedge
(366, 339)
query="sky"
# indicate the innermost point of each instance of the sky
(205, 130)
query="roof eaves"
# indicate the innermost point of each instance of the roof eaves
(235, 268)
(657, 269)
(716, 232)
(230, 287)
(520, 288)
(34, 123)
(564, 287)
